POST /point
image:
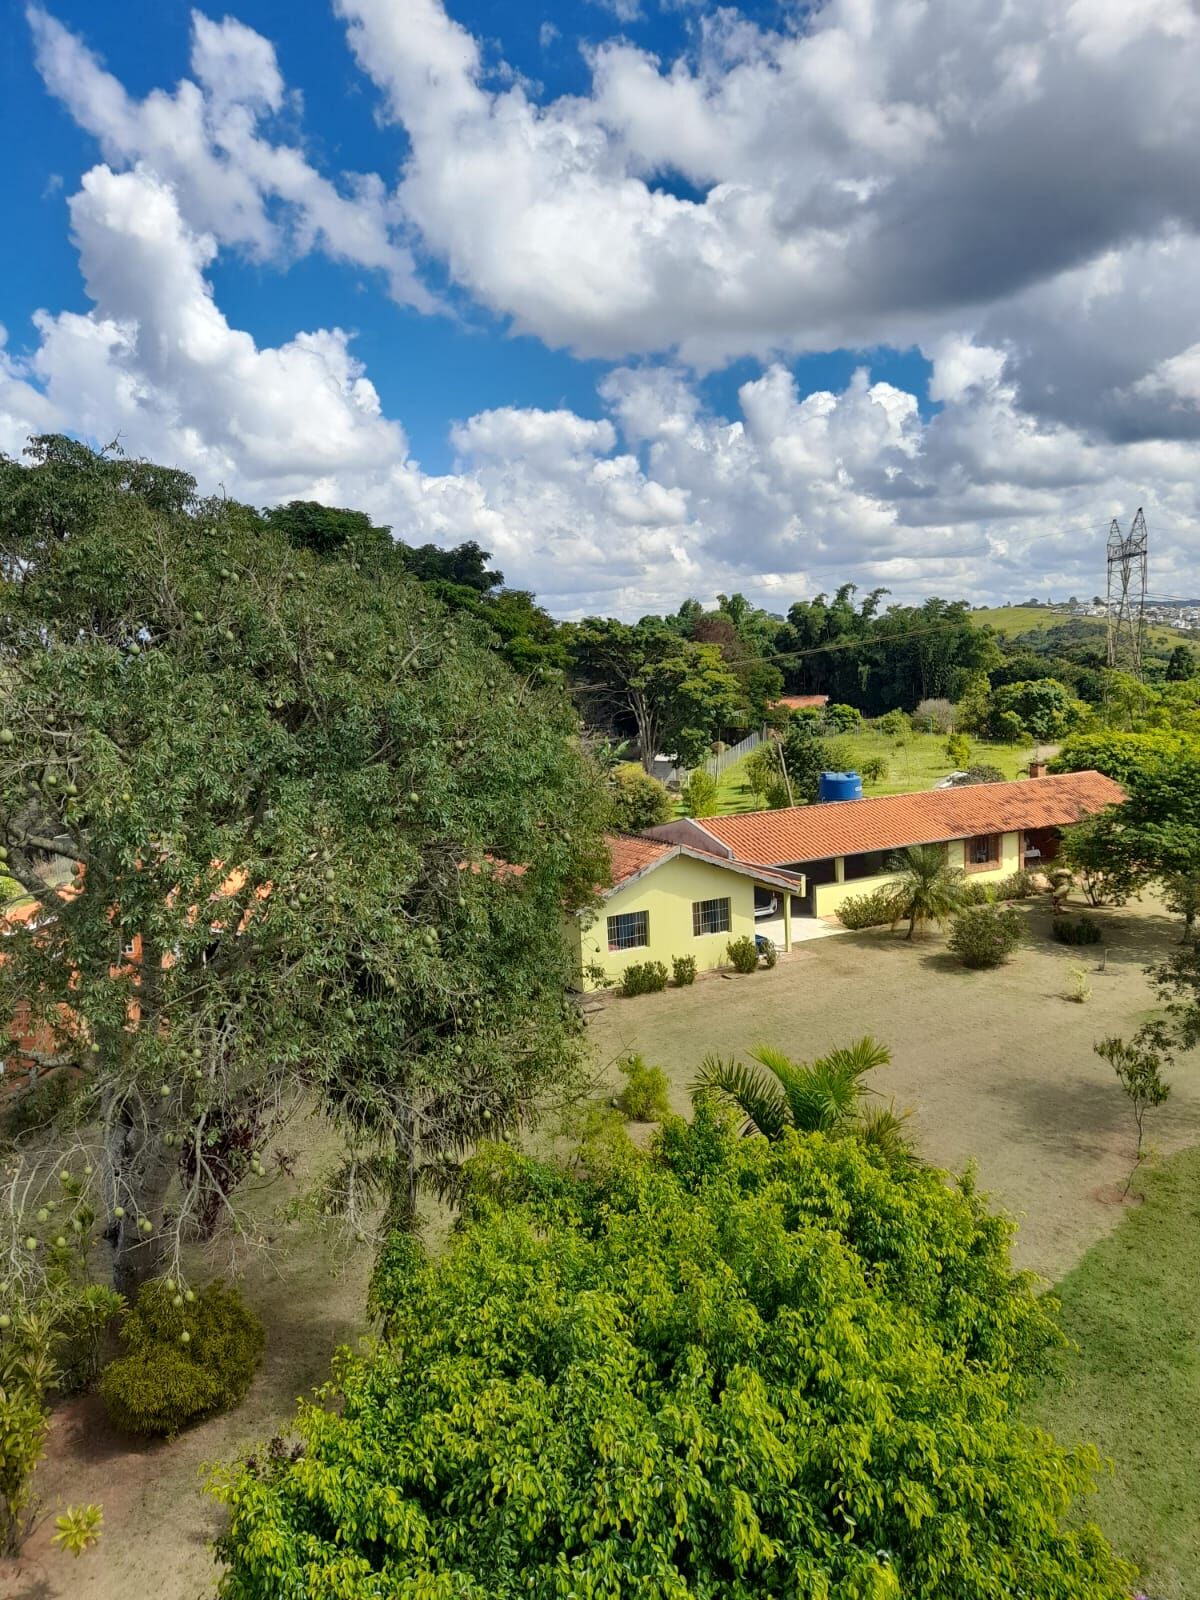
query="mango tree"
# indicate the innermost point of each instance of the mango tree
(297, 837)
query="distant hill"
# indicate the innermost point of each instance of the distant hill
(1012, 621)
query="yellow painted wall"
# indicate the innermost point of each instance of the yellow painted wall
(829, 896)
(667, 894)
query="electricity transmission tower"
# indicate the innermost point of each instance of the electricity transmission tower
(1127, 570)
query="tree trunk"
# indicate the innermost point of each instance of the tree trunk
(140, 1172)
(647, 728)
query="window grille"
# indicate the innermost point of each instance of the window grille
(710, 916)
(628, 930)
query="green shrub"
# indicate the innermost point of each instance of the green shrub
(843, 718)
(683, 970)
(1075, 930)
(698, 793)
(873, 769)
(975, 893)
(1017, 886)
(894, 725)
(644, 1097)
(184, 1360)
(958, 749)
(743, 954)
(769, 954)
(636, 799)
(644, 977)
(985, 935)
(868, 910)
(726, 1369)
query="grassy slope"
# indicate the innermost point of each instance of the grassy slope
(921, 762)
(1013, 620)
(1133, 1386)
(917, 765)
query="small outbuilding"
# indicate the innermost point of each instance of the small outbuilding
(667, 899)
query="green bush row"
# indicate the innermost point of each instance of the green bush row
(870, 910)
(644, 977)
(1075, 930)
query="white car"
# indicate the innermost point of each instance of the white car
(949, 781)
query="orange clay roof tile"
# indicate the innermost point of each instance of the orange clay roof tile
(889, 822)
(632, 854)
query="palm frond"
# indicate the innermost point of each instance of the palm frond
(859, 1058)
(883, 1129)
(808, 1095)
(757, 1095)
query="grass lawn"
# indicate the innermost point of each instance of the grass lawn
(1132, 1306)
(923, 760)
(997, 1067)
(916, 765)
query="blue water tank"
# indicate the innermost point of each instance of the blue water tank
(839, 786)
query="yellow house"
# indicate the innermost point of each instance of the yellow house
(846, 847)
(669, 900)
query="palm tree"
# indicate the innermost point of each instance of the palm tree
(820, 1096)
(928, 888)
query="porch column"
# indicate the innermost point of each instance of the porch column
(839, 869)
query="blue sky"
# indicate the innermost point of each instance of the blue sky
(429, 370)
(654, 299)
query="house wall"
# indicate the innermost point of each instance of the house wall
(829, 896)
(666, 894)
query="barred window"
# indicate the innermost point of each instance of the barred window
(710, 916)
(983, 849)
(630, 929)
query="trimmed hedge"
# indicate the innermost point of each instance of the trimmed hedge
(1076, 930)
(872, 910)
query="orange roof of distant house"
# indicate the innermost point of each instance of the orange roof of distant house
(802, 702)
(889, 822)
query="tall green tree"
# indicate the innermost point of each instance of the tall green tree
(1043, 708)
(1155, 834)
(675, 695)
(322, 843)
(328, 530)
(1181, 665)
(736, 1367)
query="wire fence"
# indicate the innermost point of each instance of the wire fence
(715, 765)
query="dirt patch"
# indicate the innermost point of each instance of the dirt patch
(1115, 1194)
(997, 1067)
(158, 1523)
